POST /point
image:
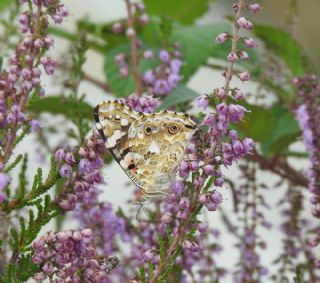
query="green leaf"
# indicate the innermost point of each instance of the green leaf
(285, 132)
(119, 86)
(13, 164)
(151, 269)
(143, 275)
(284, 45)
(184, 11)
(178, 95)
(299, 275)
(198, 44)
(26, 268)
(5, 3)
(258, 124)
(161, 248)
(62, 105)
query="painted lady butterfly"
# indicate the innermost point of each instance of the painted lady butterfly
(148, 147)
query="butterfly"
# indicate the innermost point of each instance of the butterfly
(148, 147)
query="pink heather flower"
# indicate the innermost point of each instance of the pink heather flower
(173, 80)
(130, 32)
(161, 87)
(117, 27)
(148, 255)
(120, 58)
(208, 170)
(236, 112)
(222, 37)
(144, 19)
(238, 148)
(66, 170)
(248, 144)
(67, 202)
(149, 77)
(221, 93)
(233, 135)
(216, 197)
(249, 42)
(202, 101)
(4, 180)
(218, 182)
(242, 22)
(233, 57)
(39, 277)
(203, 199)
(202, 228)
(164, 56)
(124, 72)
(254, 8)
(49, 40)
(148, 54)
(35, 125)
(140, 7)
(69, 158)
(187, 244)
(244, 76)
(166, 218)
(175, 65)
(244, 55)
(59, 155)
(238, 94)
(198, 181)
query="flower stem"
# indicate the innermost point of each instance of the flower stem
(177, 240)
(134, 50)
(235, 39)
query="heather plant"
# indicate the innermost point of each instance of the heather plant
(57, 225)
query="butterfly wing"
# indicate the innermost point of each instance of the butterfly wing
(113, 120)
(157, 143)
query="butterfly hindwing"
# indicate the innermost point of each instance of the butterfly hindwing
(157, 143)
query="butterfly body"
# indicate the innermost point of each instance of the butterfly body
(148, 147)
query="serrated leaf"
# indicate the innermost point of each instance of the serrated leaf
(62, 105)
(284, 45)
(178, 95)
(184, 11)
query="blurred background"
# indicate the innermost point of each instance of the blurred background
(300, 18)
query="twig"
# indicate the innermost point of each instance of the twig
(96, 82)
(281, 168)
(134, 49)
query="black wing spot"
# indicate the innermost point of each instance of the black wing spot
(96, 114)
(131, 166)
(189, 126)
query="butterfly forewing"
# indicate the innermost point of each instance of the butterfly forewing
(113, 120)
